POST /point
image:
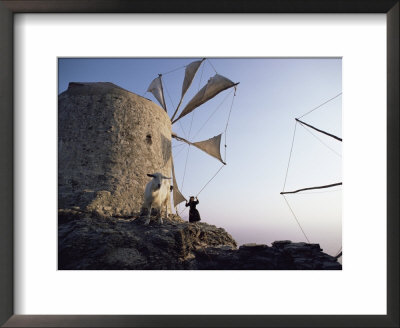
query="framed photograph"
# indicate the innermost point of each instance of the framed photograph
(122, 156)
(184, 165)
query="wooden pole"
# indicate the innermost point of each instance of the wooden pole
(321, 131)
(162, 93)
(311, 188)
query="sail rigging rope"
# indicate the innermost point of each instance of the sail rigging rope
(201, 76)
(174, 70)
(179, 145)
(210, 179)
(181, 212)
(187, 154)
(334, 151)
(284, 184)
(183, 130)
(219, 170)
(165, 87)
(184, 171)
(321, 105)
(226, 127)
(190, 129)
(294, 215)
(173, 106)
(209, 61)
(179, 152)
(212, 114)
(227, 122)
(290, 155)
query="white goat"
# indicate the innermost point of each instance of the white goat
(156, 195)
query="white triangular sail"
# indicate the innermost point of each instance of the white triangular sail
(213, 87)
(156, 89)
(178, 197)
(190, 73)
(210, 146)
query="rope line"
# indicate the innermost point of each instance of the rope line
(212, 114)
(209, 61)
(290, 155)
(176, 69)
(294, 215)
(180, 151)
(184, 171)
(201, 77)
(179, 213)
(183, 130)
(191, 124)
(190, 129)
(184, 209)
(187, 154)
(173, 105)
(227, 122)
(219, 170)
(320, 140)
(321, 105)
(211, 179)
(178, 145)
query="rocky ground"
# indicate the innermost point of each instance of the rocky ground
(90, 242)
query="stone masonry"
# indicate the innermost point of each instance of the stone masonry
(108, 140)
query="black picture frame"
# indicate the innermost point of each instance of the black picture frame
(10, 7)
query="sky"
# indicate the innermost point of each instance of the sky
(244, 197)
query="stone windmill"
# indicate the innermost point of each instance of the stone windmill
(110, 138)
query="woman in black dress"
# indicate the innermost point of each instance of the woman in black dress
(194, 215)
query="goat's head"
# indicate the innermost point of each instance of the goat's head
(157, 177)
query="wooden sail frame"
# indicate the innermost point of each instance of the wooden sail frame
(311, 188)
(201, 144)
(283, 193)
(318, 130)
(316, 187)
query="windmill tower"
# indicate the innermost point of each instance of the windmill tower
(108, 140)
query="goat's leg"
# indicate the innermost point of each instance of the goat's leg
(159, 212)
(165, 204)
(148, 215)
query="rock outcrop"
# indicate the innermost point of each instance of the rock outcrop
(87, 241)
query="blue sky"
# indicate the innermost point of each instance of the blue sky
(244, 197)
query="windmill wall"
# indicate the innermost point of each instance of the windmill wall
(108, 140)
